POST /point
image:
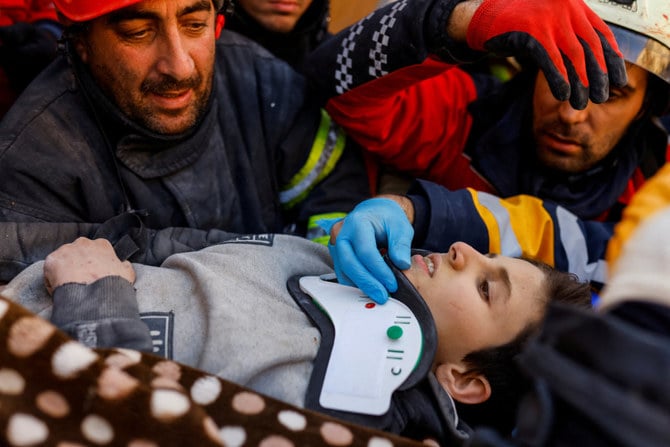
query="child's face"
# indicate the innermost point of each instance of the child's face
(477, 301)
(276, 16)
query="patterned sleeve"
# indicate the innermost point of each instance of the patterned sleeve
(401, 34)
(515, 226)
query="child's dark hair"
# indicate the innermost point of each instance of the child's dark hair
(498, 365)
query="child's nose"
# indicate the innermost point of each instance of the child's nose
(457, 256)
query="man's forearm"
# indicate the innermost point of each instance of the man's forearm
(404, 202)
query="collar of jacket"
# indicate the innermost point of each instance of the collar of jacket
(309, 31)
(504, 154)
(148, 154)
(428, 411)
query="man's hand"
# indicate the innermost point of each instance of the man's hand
(574, 48)
(84, 261)
(355, 241)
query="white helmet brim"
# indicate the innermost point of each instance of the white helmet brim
(643, 51)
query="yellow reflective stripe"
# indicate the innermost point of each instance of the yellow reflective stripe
(312, 222)
(323, 240)
(315, 232)
(533, 226)
(513, 225)
(324, 155)
(490, 222)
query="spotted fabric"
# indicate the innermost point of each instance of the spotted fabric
(55, 391)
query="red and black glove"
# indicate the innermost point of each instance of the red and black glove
(574, 48)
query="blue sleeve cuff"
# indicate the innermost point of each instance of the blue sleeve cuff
(55, 28)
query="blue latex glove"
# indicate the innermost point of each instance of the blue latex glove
(373, 223)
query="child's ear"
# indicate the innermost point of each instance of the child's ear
(462, 385)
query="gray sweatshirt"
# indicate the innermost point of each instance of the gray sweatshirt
(225, 310)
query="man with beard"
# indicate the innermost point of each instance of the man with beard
(288, 29)
(155, 134)
(558, 131)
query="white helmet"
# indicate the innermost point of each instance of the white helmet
(642, 30)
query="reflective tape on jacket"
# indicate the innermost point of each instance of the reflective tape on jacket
(315, 232)
(523, 226)
(326, 151)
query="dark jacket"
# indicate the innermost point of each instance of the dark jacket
(264, 158)
(29, 30)
(293, 47)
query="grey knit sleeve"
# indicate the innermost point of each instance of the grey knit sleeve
(103, 314)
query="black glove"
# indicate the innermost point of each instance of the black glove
(26, 49)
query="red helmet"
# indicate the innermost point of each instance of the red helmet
(83, 10)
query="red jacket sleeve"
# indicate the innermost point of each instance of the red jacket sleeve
(425, 104)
